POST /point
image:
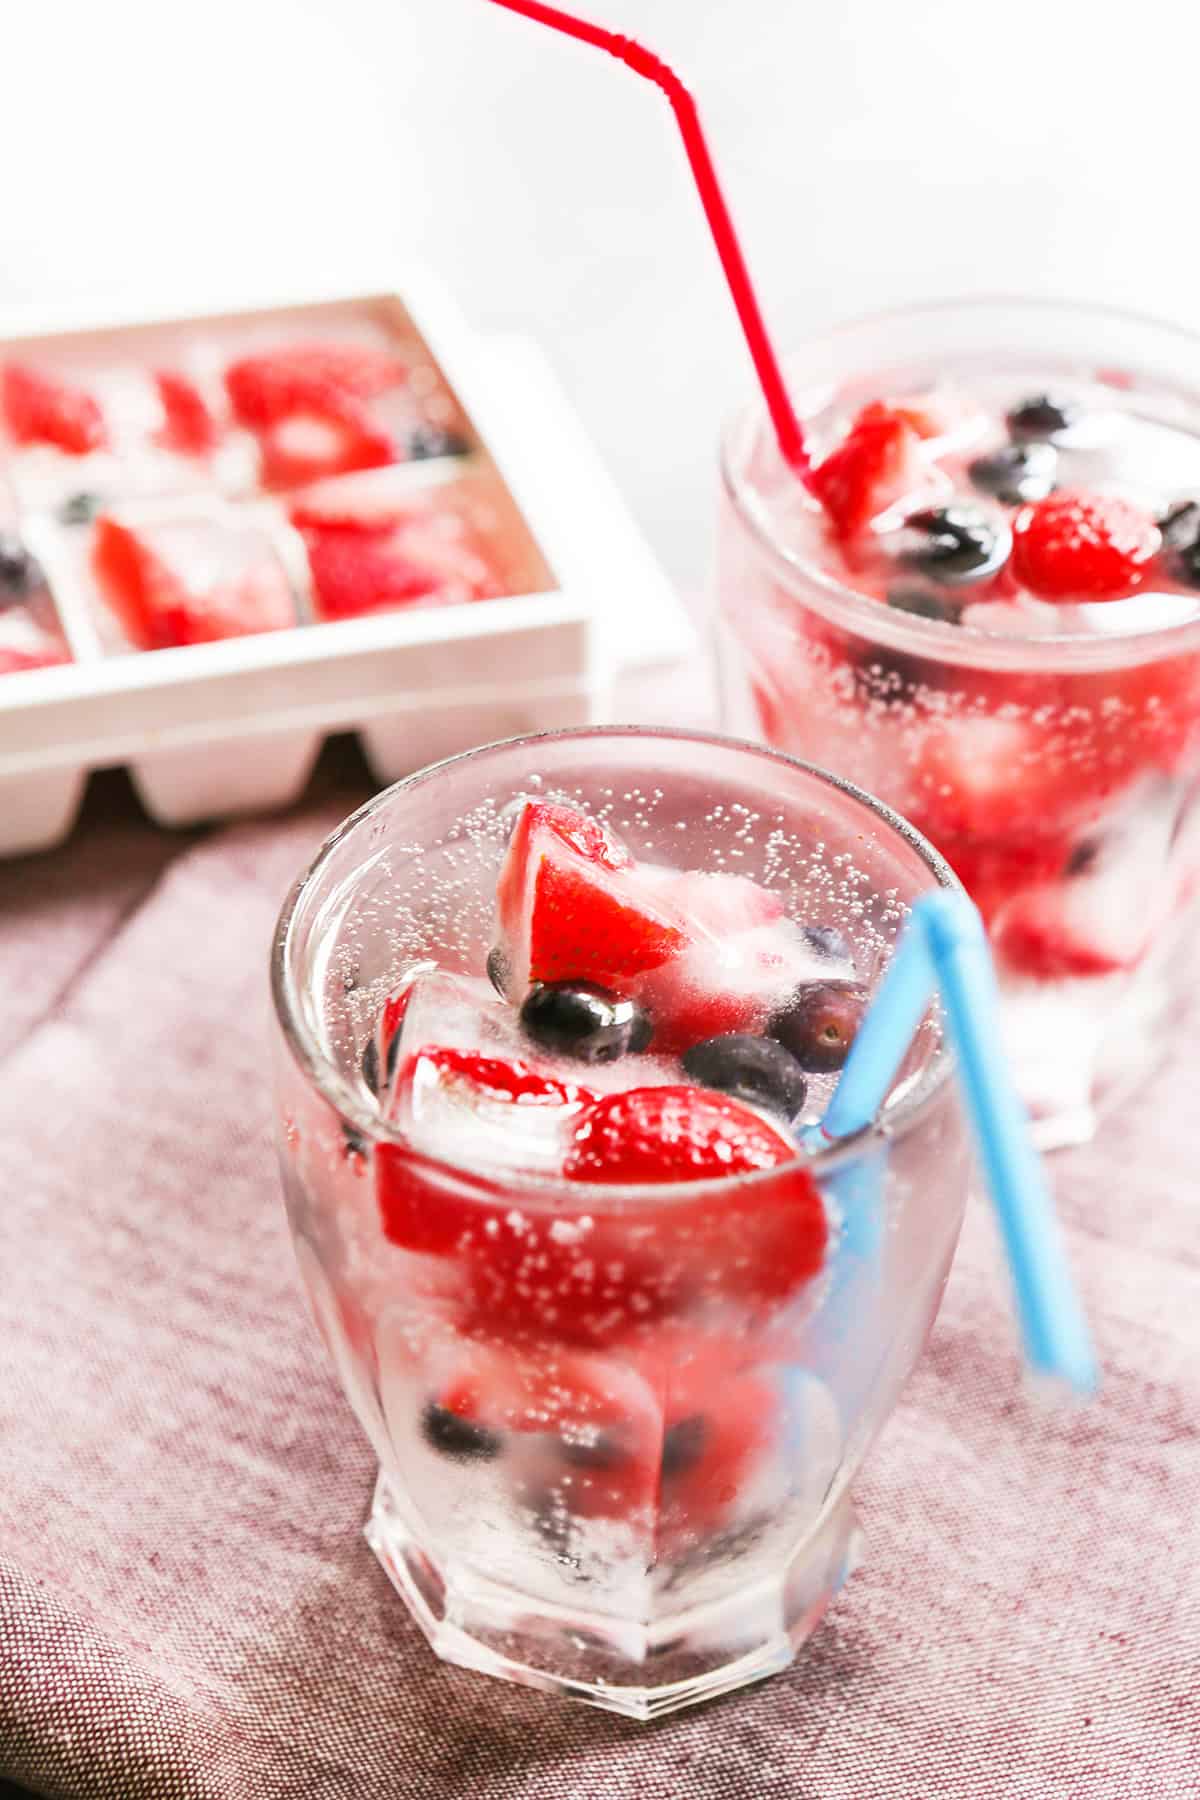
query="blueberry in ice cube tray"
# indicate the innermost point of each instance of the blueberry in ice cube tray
(427, 441)
(1041, 416)
(1180, 528)
(80, 508)
(1017, 474)
(573, 1018)
(459, 1439)
(758, 1070)
(956, 545)
(923, 604)
(20, 573)
(820, 1022)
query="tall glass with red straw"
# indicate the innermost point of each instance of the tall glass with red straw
(960, 564)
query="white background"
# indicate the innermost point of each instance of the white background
(873, 151)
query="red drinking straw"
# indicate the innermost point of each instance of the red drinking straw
(645, 63)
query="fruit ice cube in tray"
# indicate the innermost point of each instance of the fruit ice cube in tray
(262, 405)
(30, 634)
(306, 504)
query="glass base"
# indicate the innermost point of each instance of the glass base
(641, 1668)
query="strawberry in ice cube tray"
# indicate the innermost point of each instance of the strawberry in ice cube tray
(650, 1027)
(189, 426)
(322, 408)
(372, 549)
(189, 581)
(40, 408)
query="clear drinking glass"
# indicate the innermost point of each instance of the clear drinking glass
(1056, 771)
(664, 1512)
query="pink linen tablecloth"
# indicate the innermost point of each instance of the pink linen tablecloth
(187, 1606)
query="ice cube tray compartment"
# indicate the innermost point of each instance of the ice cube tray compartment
(217, 728)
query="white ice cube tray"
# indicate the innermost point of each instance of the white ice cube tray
(216, 729)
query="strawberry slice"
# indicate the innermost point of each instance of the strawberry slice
(570, 909)
(41, 409)
(672, 1134)
(188, 425)
(496, 1078)
(310, 444)
(308, 378)
(1070, 927)
(1076, 545)
(158, 609)
(356, 570)
(877, 462)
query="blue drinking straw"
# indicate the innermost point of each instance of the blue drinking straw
(944, 949)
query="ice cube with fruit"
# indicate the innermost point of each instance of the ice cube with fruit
(31, 636)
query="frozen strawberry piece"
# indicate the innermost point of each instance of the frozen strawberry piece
(568, 910)
(701, 953)
(877, 463)
(42, 409)
(1069, 928)
(189, 427)
(355, 572)
(1109, 902)
(1076, 545)
(742, 960)
(306, 446)
(149, 591)
(496, 1078)
(671, 1134)
(321, 379)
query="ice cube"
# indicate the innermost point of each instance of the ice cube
(469, 1088)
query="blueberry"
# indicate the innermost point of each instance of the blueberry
(80, 508)
(427, 441)
(576, 1019)
(819, 1023)
(1041, 416)
(498, 970)
(749, 1068)
(20, 573)
(955, 544)
(926, 605)
(827, 940)
(451, 1435)
(1180, 528)
(683, 1445)
(1017, 473)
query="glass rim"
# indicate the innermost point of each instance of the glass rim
(324, 1075)
(844, 605)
